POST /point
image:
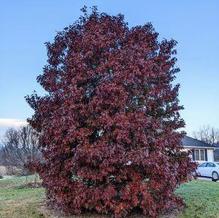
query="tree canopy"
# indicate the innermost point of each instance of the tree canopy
(110, 124)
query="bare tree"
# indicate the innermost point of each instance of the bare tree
(20, 146)
(207, 134)
(1, 156)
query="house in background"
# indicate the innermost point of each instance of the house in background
(216, 153)
(201, 151)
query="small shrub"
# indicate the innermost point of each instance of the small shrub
(14, 171)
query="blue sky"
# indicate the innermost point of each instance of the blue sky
(27, 24)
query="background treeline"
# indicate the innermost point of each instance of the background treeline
(19, 147)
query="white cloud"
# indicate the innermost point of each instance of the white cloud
(12, 122)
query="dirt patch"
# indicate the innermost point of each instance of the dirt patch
(30, 185)
(51, 213)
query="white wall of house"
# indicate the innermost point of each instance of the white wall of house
(210, 153)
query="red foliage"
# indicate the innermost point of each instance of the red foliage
(109, 123)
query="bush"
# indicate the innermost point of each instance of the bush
(14, 171)
(109, 124)
(3, 170)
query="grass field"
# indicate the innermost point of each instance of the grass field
(201, 198)
(16, 201)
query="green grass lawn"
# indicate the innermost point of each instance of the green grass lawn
(17, 201)
(201, 197)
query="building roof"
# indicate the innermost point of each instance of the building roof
(191, 142)
(217, 145)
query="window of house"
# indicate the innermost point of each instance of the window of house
(199, 154)
(202, 154)
(196, 154)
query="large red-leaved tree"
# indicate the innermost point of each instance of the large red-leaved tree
(109, 125)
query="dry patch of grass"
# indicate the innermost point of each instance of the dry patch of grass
(22, 209)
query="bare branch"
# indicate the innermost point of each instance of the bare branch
(207, 134)
(20, 146)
